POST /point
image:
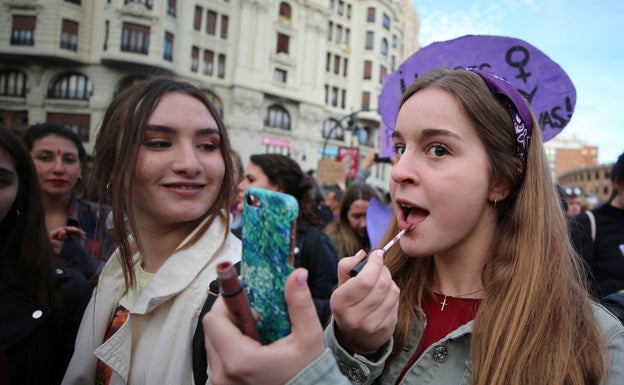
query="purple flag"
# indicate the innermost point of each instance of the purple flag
(542, 82)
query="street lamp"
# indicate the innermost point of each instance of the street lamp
(338, 123)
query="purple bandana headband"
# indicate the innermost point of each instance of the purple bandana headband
(517, 106)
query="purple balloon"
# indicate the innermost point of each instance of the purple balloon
(542, 82)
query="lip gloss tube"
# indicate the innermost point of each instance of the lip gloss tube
(388, 245)
(235, 299)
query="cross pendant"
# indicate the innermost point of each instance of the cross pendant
(443, 303)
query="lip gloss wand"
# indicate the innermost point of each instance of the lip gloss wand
(388, 245)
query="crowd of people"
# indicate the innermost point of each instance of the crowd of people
(107, 268)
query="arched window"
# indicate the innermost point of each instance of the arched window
(384, 47)
(13, 83)
(333, 129)
(71, 86)
(284, 12)
(216, 102)
(277, 116)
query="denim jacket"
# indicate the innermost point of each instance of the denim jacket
(446, 362)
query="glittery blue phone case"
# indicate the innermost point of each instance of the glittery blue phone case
(269, 220)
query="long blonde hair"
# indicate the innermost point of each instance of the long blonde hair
(536, 323)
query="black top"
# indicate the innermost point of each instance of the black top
(605, 256)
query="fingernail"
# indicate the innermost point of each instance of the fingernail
(380, 253)
(360, 253)
(302, 278)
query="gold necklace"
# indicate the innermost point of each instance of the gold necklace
(444, 304)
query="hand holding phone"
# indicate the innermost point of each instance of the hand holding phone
(269, 223)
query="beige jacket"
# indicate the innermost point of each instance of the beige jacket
(154, 345)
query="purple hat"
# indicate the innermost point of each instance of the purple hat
(517, 106)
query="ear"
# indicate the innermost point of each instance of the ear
(500, 188)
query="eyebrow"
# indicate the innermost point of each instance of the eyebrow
(169, 130)
(429, 133)
(7, 171)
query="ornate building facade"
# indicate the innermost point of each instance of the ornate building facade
(282, 73)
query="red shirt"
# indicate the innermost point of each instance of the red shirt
(444, 314)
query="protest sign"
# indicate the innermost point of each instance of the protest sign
(542, 82)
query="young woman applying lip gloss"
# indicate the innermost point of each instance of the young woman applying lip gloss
(485, 287)
(163, 164)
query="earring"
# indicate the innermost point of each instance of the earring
(495, 201)
(17, 212)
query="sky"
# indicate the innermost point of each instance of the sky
(585, 37)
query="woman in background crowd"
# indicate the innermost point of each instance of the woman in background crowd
(41, 300)
(349, 233)
(73, 224)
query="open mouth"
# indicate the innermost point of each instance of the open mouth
(412, 214)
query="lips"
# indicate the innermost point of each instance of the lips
(58, 182)
(184, 186)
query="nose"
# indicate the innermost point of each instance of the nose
(403, 171)
(58, 165)
(187, 161)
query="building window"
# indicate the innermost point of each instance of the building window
(208, 62)
(283, 42)
(334, 96)
(347, 36)
(71, 86)
(224, 26)
(338, 33)
(284, 12)
(384, 47)
(340, 8)
(221, 66)
(69, 35)
(326, 94)
(78, 123)
(328, 62)
(106, 28)
(385, 21)
(216, 102)
(368, 69)
(168, 51)
(331, 128)
(345, 64)
(171, 8)
(13, 83)
(365, 100)
(77, 2)
(343, 99)
(23, 32)
(135, 38)
(194, 59)
(370, 37)
(370, 14)
(330, 31)
(198, 17)
(382, 73)
(211, 22)
(280, 75)
(149, 4)
(394, 41)
(348, 11)
(276, 116)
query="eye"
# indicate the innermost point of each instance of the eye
(157, 143)
(209, 147)
(437, 150)
(44, 157)
(399, 149)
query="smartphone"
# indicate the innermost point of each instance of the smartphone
(268, 235)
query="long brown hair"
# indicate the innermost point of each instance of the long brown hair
(117, 147)
(536, 323)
